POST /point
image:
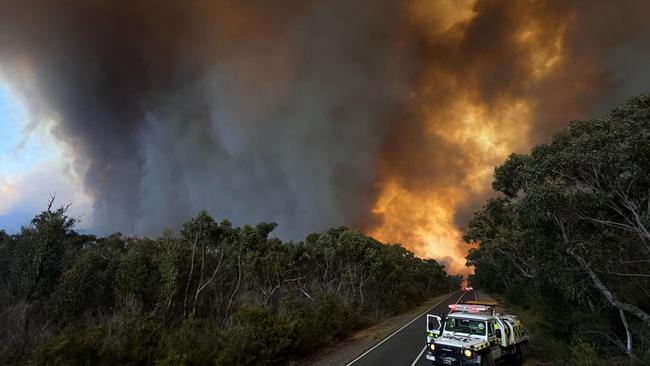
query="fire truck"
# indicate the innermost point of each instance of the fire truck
(473, 333)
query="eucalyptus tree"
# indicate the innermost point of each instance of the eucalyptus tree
(576, 213)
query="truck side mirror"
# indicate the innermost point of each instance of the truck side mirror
(498, 333)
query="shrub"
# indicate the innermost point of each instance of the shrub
(257, 337)
(195, 342)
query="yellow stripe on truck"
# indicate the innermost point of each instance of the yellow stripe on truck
(481, 346)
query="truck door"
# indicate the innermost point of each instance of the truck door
(495, 347)
(434, 326)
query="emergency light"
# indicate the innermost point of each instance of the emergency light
(470, 308)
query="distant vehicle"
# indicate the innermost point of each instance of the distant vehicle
(473, 333)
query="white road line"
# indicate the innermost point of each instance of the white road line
(425, 347)
(420, 355)
(397, 331)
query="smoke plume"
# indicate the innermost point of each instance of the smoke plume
(384, 115)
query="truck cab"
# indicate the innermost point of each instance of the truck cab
(473, 333)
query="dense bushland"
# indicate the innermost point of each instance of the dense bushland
(213, 294)
(568, 236)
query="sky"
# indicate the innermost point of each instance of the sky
(33, 167)
(387, 116)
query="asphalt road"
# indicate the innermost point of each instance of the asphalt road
(406, 345)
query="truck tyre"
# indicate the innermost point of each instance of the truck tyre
(518, 357)
(524, 349)
(486, 359)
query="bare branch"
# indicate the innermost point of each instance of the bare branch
(626, 274)
(610, 223)
(50, 202)
(305, 293)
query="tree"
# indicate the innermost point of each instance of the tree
(38, 252)
(215, 293)
(575, 213)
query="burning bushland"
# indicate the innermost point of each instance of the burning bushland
(384, 115)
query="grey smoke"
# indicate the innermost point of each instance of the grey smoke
(170, 109)
(292, 111)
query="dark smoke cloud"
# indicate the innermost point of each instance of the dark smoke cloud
(252, 110)
(607, 50)
(300, 111)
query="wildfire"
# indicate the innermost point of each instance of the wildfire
(482, 132)
(424, 221)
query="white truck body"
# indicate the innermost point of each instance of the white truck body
(473, 333)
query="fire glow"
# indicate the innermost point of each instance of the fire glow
(384, 115)
(481, 131)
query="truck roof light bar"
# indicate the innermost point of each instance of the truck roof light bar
(481, 302)
(470, 308)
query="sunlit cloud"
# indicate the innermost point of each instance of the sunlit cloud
(33, 167)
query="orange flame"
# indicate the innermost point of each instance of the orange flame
(483, 132)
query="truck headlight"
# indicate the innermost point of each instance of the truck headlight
(468, 353)
(432, 346)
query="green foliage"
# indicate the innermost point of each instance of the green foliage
(88, 283)
(257, 337)
(195, 342)
(214, 294)
(570, 232)
(35, 257)
(137, 278)
(172, 264)
(135, 338)
(584, 353)
(72, 347)
(121, 340)
(328, 320)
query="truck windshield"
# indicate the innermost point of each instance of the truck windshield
(469, 326)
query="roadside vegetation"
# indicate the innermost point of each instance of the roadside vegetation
(211, 294)
(566, 239)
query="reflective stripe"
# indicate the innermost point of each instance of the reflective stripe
(481, 346)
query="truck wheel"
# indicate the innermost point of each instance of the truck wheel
(486, 359)
(518, 357)
(524, 350)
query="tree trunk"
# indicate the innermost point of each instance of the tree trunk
(202, 286)
(189, 276)
(608, 294)
(628, 333)
(600, 286)
(232, 296)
